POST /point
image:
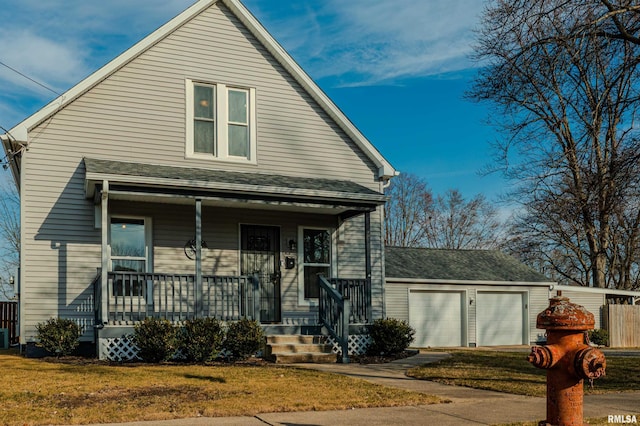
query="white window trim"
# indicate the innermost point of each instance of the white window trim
(148, 242)
(222, 123)
(302, 301)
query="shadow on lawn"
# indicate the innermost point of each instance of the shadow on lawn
(205, 378)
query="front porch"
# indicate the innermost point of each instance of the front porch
(130, 297)
(257, 246)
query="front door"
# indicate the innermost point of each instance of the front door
(260, 254)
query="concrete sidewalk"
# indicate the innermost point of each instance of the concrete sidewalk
(467, 407)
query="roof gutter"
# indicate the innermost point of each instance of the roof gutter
(469, 282)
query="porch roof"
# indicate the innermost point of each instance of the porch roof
(149, 181)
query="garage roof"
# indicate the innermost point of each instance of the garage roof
(457, 265)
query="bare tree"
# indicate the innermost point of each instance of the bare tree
(9, 236)
(566, 95)
(612, 20)
(406, 211)
(456, 223)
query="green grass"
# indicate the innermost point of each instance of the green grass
(36, 392)
(510, 372)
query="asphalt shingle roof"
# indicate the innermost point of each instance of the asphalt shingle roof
(457, 265)
(208, 175)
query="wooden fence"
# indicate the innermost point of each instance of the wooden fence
(623, 324)
(9, 319)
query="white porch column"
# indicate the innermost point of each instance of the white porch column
(367, 249)
(199, 308)
(367, 243)
(104, 291)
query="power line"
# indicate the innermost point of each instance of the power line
(29, 78)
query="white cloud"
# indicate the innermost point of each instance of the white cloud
(53, 63)
(363, 42)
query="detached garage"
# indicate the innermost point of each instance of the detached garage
(464, 297)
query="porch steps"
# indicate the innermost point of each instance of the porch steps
(290, 349)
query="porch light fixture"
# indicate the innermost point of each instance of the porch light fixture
(292, 245)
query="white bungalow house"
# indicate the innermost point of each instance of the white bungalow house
(200, 173)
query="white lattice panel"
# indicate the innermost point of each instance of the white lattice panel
(123, 349)
(118, 349)
(358, 344)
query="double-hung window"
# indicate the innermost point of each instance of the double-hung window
(130, 253)
(220, 122)
(316, 259)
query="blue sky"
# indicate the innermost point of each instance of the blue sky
(397, 68)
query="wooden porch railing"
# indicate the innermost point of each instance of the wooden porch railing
(9, 320)
(343, 302)
(358, 291)
(133, 296)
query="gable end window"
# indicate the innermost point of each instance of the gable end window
(220, 122)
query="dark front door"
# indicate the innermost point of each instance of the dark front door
(260, 254)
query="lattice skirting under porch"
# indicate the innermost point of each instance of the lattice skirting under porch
(122, 349)
(358, 344)
(118, 349)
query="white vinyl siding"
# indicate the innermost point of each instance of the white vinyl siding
(592, 302)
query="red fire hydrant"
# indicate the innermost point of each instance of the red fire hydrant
(567, 358)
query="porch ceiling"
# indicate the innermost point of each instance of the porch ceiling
(180, 185)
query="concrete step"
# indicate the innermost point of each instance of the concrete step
(295, 339)
(288, 348)
(315, 358)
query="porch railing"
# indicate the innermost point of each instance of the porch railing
(133, 296)
(9, 321)
(343, 302)
(358, 291)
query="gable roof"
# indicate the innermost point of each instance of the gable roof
(385, 169)
(457, 265)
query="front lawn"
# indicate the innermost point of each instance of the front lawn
(510, 372)
(36, 392)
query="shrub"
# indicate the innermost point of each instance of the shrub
(155, 339)
(58, 336)
(599, 337)
(244, 338)
(201, 339)
(389, 336)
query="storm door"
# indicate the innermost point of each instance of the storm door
(260, 254)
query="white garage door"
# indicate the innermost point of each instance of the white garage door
(500, 318)
(437, 318)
